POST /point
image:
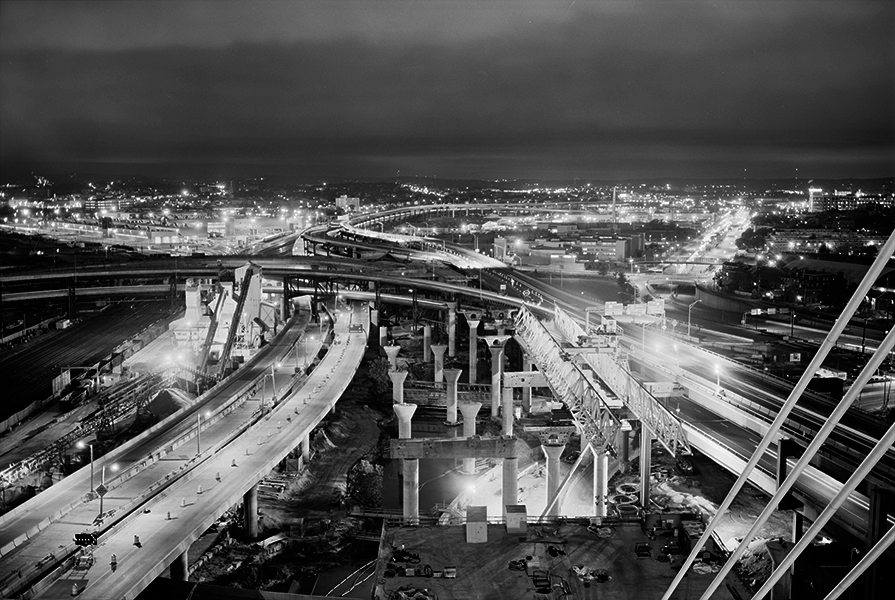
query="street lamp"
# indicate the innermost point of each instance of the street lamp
(690, 308)
(81, 445)
(631, 262)
(718, 375)
(112, 468)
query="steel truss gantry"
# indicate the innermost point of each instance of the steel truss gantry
(589, 409)
(662, 423)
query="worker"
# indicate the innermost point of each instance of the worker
(114, 562)
(137, 541)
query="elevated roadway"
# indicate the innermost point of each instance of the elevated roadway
(44, 526)
(279, 268)
(229, 469)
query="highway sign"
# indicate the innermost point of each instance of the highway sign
(636, 309)
(101, 490)
(613, 308)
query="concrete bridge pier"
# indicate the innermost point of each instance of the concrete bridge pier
(392, 353)
(374, 325)
(601, 483)
(554, 477)
(410, 468)
(646, 444)
(626, 450)
(496, 349)
(438, 354)
(469, 413)
(452, 329)
(250, 512)
(507, 411)
(510, 483)
(427, 343)
(398, 378)
(306, 449)
(527, 365)
(473, 349)
(180, 568)
(452, 376)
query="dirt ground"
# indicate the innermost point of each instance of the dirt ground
(346, 437)
(305, 505)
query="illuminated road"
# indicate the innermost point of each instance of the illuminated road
(27, 534)
(255, 453)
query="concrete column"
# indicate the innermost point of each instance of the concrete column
(438, 354)
(646, 443)
(469, 412)
(392, 352)
(452, 329)
(473, 349)
(496, 377)
(250, 504)
(507, 411)
(383, 335)
(397, 378)
(411, 504)
(404, 412)
(527, 365)
(306, 449)
(284, 308)
(601, 483)
(374, 325)
(510, 483)
(180, 568)
(501, 328)
(452, 376)
(410, 467)
(553, 452)
(427, 343)
(626, 450)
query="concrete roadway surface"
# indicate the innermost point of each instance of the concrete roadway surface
(857, 431)
(57, 501)
(254, 454)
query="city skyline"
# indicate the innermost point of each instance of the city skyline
(614, 90)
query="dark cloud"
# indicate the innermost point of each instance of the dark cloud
(632, 89)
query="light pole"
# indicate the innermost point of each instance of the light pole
(689, 309)
(81, 445)
(113, 468)
(718, 376)
(631, 262)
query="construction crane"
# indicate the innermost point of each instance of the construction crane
(237, 314)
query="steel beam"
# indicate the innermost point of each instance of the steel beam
(662, 423)
(474, 447)
(568, 383)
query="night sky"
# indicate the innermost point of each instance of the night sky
(545, 90)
